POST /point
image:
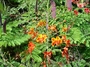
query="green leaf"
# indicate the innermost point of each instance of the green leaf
(81, 63)
(13, 44)
(22, 65)
(77, 34)
(1, 60)
(9, 44)
(69, 65)
(36, 58)
(86, 54)
(88, 43)
(74, 64)
(26, 58)
(1, 7)
(5, 44)
(16, 42)
(1, 43)
(36, 51)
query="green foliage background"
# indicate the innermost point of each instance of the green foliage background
(22, 17)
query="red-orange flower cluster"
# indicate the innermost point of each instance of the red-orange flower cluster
(32, 32)
(47, 54)
(52, 28)
(56, 41)
(41, 23)
(65, 29)
(66, 41)
(63, 38)
(65, 53)
(41, 38)
(31, 47)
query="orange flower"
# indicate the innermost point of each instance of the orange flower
(67, 43)
(56, 41)
(63, 38)
(47, 53)
(52, 28)
(41, 23)
(65, 29)
(41, 38)
(31, 47)
(32, 32)
(65, 53)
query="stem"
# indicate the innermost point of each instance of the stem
(47, 18)
(4, 26)
(36, 8)
(47, 14)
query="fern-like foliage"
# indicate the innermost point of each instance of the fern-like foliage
(15, 32)
(13, 39)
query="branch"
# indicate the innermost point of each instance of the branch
(4, 26)
(53, 9)
(0, 20)
(36, 8)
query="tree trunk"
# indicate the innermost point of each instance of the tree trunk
(4, 26)
(69, 4)
(0, 20)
